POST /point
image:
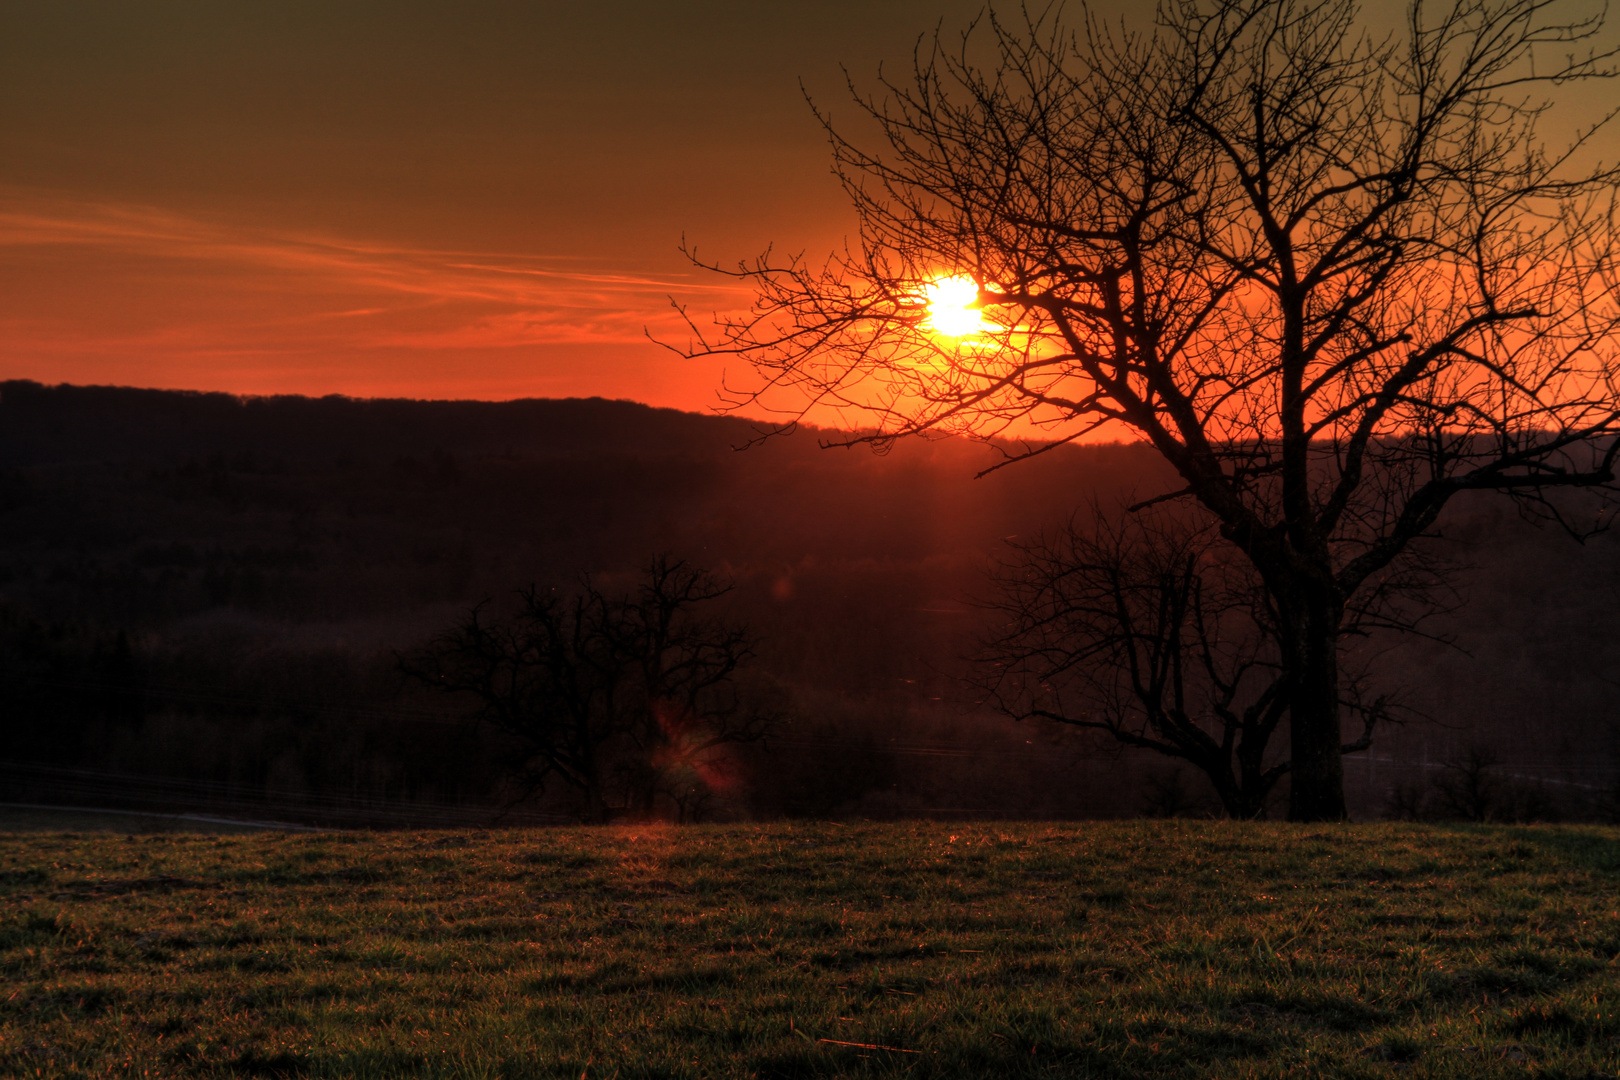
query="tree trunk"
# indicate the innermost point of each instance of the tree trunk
(596, 810)
(1316, 778)
(1252, 787)
(1238, 796)
(596, 807)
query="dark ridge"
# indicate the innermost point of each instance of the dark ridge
(41, 424)
(201, 596)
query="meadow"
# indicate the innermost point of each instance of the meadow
(1131, 949)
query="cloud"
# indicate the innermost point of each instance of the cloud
(97, 277)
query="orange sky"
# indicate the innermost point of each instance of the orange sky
(414, 199)
(426, 199)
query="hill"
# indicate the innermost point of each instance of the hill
(210, 589)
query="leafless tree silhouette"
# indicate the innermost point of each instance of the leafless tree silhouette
(1145, 627)
(1334, 278)
(629, 696)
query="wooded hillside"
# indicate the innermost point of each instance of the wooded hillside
(205, 590)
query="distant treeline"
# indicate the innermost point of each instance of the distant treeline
(213, 590)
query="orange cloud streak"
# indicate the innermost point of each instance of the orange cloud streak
(139, 295)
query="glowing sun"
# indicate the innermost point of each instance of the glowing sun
(951, 309)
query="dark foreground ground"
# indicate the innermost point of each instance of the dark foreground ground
(931, 950)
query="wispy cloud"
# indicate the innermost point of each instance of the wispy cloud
(106, 276)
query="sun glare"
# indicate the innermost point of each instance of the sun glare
(950, 313)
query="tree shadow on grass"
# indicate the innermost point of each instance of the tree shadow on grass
(1583, 847)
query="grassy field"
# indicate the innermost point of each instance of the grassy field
(931, 950)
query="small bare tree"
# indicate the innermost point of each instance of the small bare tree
(613, 694)
(1142, 626)
(1469, 787)
(1133, 627)
(1334, 278)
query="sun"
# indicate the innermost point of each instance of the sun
(951, 310)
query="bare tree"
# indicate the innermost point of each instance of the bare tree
(1469, 788)
(1334, 278)
(1144, 627)
(1407, 801)
(1474, 787)
(625, 698)
(1131, 627)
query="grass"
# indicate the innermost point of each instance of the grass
(931, 950)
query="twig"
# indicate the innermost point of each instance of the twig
(868, 1046)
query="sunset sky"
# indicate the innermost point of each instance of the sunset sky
(413, 198)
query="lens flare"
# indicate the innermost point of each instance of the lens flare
(951, 309)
